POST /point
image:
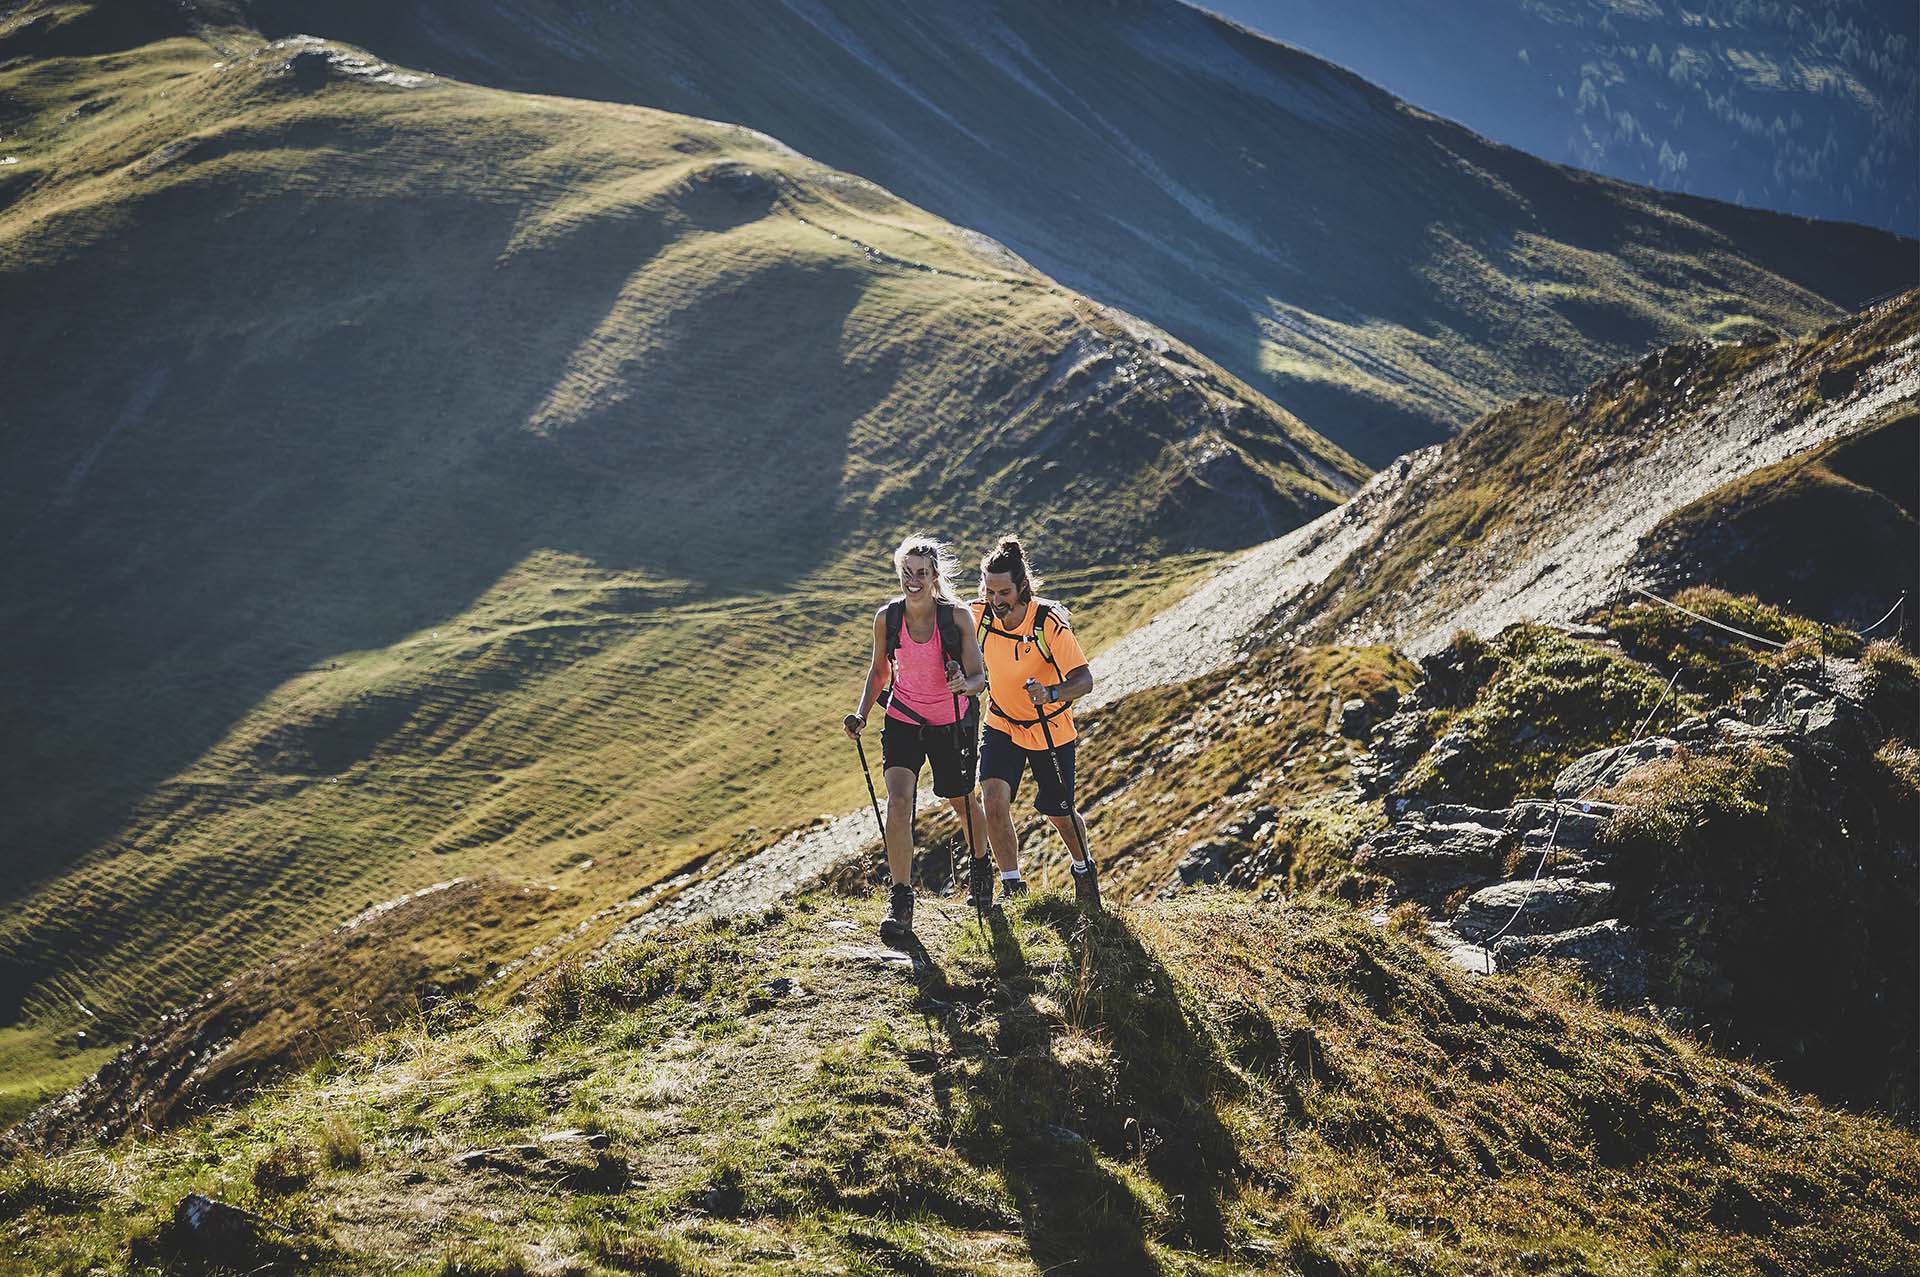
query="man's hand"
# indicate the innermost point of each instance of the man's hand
(851, 725)
(1038, 692)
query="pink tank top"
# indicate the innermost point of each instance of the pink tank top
(920, 679)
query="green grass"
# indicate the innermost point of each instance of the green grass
(39, 1062)
(1545, 700)
(492, 483)
(1208, 1086)
(1713, 663)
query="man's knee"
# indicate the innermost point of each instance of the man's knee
(899, 806)
(998, 801)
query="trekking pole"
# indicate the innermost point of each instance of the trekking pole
(867, 772)
(1059, 778)
(953, 876)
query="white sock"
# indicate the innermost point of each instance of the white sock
(1081, 866)
(1009, 875)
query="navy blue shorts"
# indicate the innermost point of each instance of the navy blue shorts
(1001, 759)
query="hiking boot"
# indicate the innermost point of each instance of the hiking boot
(898, 924)
(980, 883)
(1086, 886)
(1012, 888)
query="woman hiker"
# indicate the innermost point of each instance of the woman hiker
(926, 670)
(1035, 670)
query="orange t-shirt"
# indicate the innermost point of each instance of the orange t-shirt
(1011, 662)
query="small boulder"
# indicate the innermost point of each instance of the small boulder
(1607, 952)
(310, 69)
(1550, 905)
(1822, 719)
(1605, 768)
(1207, 863)
(204, 1226)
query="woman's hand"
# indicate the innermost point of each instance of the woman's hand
(851, 725)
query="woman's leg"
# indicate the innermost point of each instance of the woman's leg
(900, 787)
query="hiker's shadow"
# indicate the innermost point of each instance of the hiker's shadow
(1059, 1071)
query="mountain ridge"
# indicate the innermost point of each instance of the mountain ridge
(1386, 275)
(1807, 108)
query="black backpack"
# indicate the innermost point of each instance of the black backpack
(947, 623)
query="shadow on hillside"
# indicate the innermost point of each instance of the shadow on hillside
(349, 463)
(1167, 212)
(1041, 1102)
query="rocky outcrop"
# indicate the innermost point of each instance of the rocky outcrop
(1752, 878)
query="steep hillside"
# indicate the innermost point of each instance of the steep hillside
(1203, 1086)
(1549, 508)
(403, 480)
(1810, 108)
(1384, 274)
(1823, 532)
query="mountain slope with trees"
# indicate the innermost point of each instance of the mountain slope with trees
(1808, 108)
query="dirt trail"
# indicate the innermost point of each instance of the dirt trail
(768, 876)
(1577, 561)
(1567, 563)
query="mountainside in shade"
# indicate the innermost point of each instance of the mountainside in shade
(402, 480)
(1810, 108)
(1550, 508)
(1386, 275)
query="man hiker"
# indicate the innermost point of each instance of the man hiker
(1035, 670)
(926, 670)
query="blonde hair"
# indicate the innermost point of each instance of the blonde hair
(938, 553)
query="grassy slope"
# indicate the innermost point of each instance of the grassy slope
(1207, 1087)
(404, 482)
(1387, 275)
(1823, 532)
(370, 973)
(1516, 474)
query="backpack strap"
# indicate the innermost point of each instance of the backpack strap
(1023, 722)
(1043, 612)
(947, 625)
(947, 622)
(896, 615)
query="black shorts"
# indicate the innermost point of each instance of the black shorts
(1001, 759)
(947, 749)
